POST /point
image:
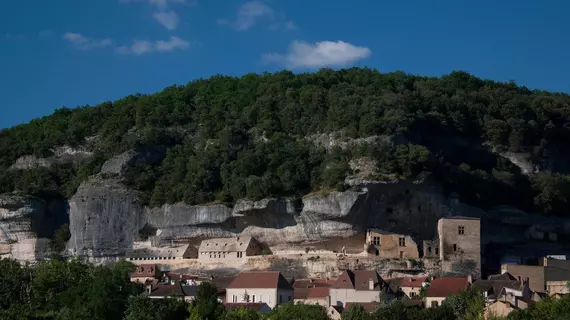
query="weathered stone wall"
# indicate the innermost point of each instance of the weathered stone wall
(460, 245)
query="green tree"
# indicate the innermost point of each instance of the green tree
(143, 308)
(356, 312)
(299, 312)
(206, 304)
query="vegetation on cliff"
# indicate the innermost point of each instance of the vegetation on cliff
(257, 136)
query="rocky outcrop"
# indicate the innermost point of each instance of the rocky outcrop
(116, 164)
(105, 218)
(27, 224)
(59, 154)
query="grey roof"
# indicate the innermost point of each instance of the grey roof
(233, 244)
(190, 291)
(494, 287)
(174, 252)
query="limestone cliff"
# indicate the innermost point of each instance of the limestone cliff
(27, 224)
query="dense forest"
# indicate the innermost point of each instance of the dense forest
(227, 138)
(72, 290)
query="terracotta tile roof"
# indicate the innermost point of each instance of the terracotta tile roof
(412, 282)
(368, 306)
(260, 280)
(359, 280)
(443, 287)
(145, 270)
(311, 293)
(309, 283)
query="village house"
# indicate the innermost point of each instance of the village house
(172, 291)
(504, 286)
(459, 246)
(314, 295)
(390, 245)
(335, 312)
(259, 286)
(356, 286)
(441, 288)
(162, 253)
(145, 273)
(550, 277)
(499, 309)
(409, 287)
(234, 249)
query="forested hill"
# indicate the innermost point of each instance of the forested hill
(256, 136)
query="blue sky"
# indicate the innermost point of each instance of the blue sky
(77, 52)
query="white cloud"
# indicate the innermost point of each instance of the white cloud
(169, 19)
(139, 47)
(161, 4)
(248, 14)
(320, 54)
(82, 42)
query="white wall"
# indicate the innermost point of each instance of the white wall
(268, 296)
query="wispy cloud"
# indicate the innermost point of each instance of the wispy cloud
(248, 15)
(321, 54)
(45, 34)
(14, 36)
(161, 4)
(82, 42)
(169, 19)
(139, 47)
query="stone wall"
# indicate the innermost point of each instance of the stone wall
(460, 245)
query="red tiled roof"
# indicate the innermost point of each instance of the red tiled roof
(368, 306)
(144, 270)
(444, 287)
(260, 280)
(412, 282)
(318, 292)
(359, 280)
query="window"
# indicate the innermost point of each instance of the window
(454, 247)
(436, 250)
(429, 250)
(289, 297)
(401, 254)
(461, 230)
(234, 299)
(434, 303)
(280, 298)
(402, 242)
(253, 298)
(412, 294)
(376, 241)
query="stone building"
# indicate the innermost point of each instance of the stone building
(459, 245)
(144, 273)
(163, 253)
(357, 286)
(390, 245)
(228, 249)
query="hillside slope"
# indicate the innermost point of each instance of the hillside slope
(285, 135)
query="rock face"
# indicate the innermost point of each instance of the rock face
(105, 218)
(59, 154)
(27, 224)
(116, 164)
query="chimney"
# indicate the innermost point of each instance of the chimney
(370, 284)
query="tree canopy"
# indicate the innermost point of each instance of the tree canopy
(256, 136)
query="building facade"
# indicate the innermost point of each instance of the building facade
(235, 249)
(460, 245)
(391, 245)
(356, 286)
(266, 287)
(181, 252)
